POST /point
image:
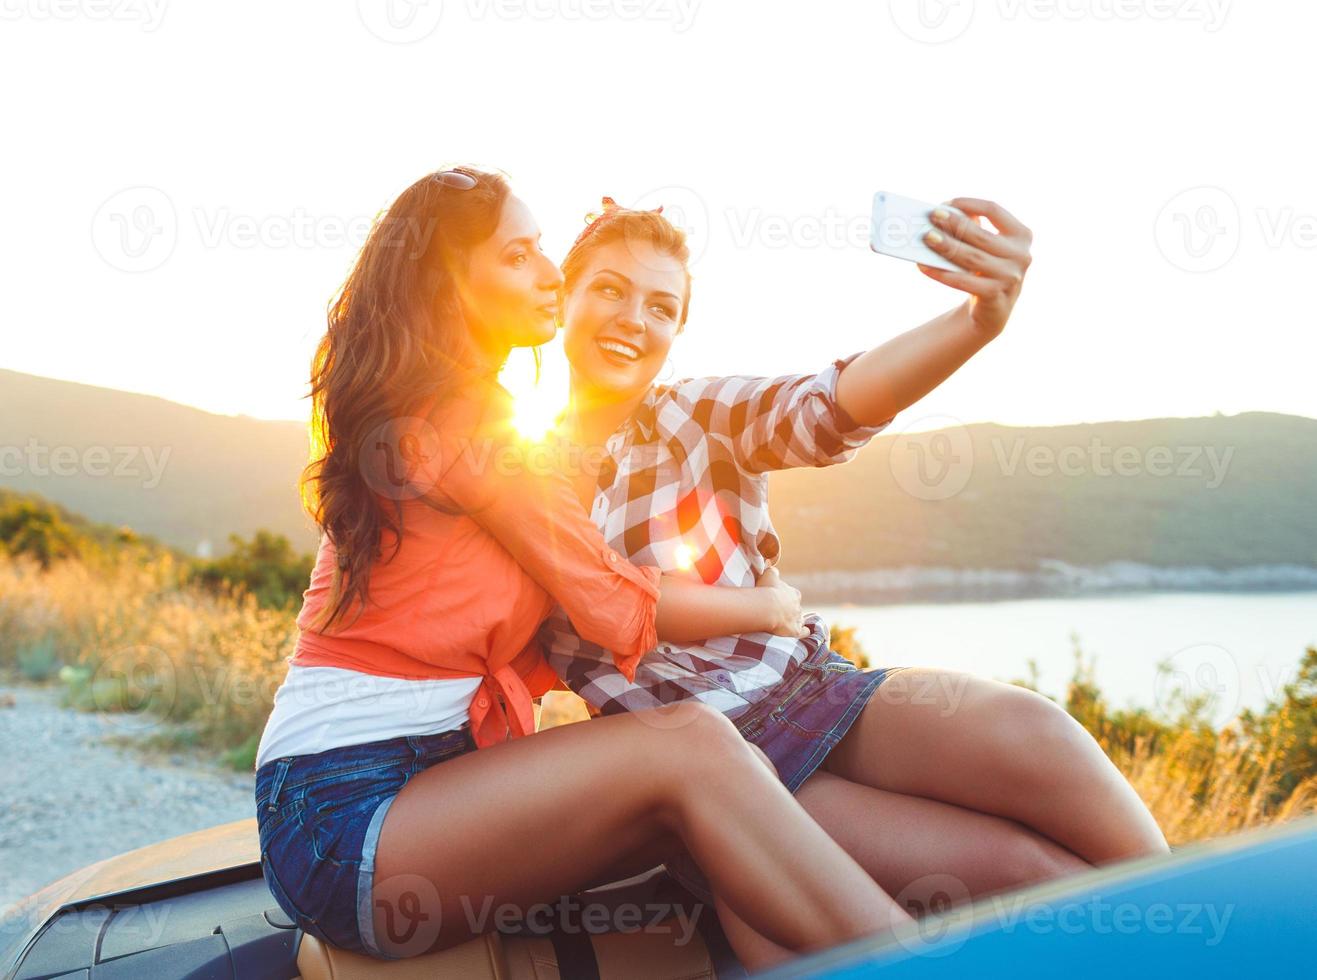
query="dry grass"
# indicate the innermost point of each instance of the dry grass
(131, 635)
(1208, 785)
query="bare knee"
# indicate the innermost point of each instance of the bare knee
(1037, 738)
(693, 750)
(690, 735)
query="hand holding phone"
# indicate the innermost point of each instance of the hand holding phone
(898, 229)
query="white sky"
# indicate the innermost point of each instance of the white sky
(770, 124)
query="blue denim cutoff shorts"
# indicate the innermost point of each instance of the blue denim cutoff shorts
(319, 818)
(805, 717)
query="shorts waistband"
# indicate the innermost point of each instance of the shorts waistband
(291, 772)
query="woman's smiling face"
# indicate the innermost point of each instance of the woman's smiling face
(621, 316)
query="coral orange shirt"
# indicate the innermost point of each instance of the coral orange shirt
(465, 592)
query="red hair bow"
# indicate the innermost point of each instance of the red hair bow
(609, 207)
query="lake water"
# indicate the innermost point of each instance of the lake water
(1239, 648)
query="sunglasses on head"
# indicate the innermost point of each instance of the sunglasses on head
(454, 179)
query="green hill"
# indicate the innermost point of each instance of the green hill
(186, 476)
(1205, 494)
(1211, 493)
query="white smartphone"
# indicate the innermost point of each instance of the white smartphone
(899, 225)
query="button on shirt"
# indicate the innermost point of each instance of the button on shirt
(684, 489)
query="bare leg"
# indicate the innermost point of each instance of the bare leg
(999, 749)
(530, 820)
(926, 853)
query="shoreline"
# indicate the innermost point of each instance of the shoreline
(1052, 580)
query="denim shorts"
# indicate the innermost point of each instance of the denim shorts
(319, 818)
(804, 718)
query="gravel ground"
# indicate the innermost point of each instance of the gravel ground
(70, 796)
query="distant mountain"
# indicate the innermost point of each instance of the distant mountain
(1223, 501)
(1226, 499)
(187, 477)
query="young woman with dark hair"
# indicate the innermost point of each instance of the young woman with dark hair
(395, 795)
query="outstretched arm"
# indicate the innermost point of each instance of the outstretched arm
(893, 376)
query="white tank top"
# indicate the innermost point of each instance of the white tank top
(319, 708)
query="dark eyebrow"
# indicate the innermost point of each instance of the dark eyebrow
(619, 275)
(523, 240)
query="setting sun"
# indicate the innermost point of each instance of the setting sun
(536, 406)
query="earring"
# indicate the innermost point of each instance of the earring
(667, 373)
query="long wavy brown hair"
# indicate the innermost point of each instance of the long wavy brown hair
(396, 337)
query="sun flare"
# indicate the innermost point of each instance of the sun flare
(535, 407)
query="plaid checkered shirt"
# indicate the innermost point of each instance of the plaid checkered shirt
(684, 488)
